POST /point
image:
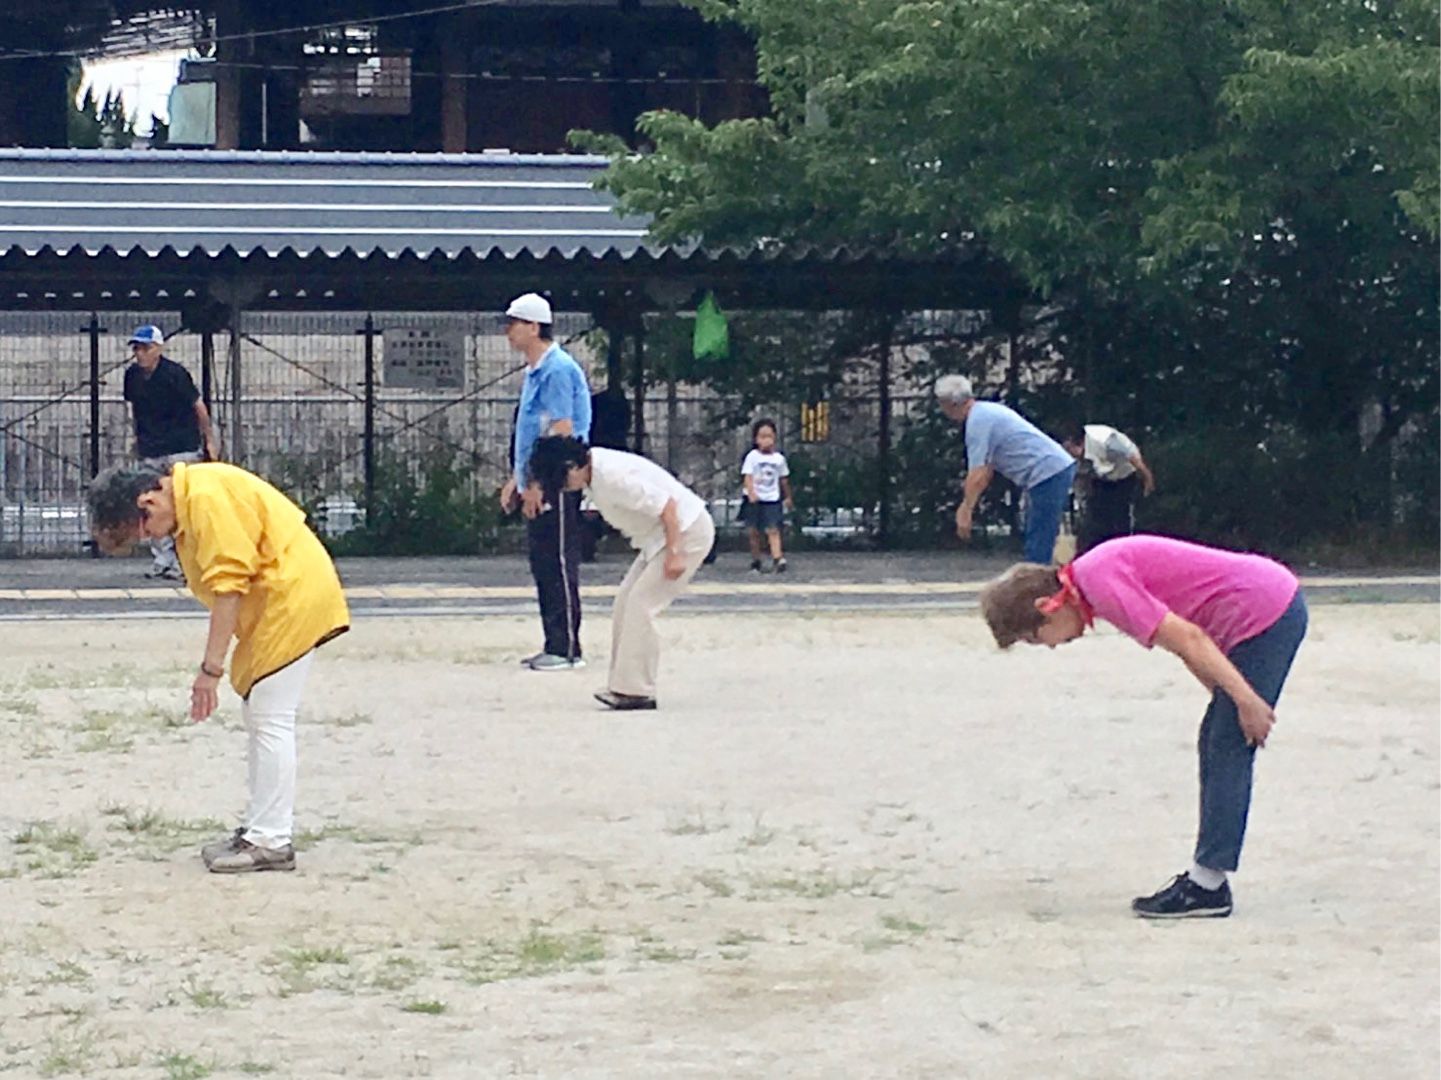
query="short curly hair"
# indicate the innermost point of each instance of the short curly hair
(1009, 602)
(114, 515)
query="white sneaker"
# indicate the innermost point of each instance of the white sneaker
(551, 662)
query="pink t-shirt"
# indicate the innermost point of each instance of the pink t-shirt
(1133, 581)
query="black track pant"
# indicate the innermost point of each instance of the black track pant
(554, 541)
(1109, 512)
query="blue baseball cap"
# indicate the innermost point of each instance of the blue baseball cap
(147, 335)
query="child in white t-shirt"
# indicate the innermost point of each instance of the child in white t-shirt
(767, 485)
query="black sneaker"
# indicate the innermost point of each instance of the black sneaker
(1184, 899)
(756, 565)
(780, 566)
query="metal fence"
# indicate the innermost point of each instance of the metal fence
(313, 401)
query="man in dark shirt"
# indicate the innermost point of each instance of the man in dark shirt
(171, 422)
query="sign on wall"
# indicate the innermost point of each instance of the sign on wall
(424, 359)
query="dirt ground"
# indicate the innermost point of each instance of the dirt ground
(849, 845)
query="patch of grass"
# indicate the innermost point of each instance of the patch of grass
(108, 676)
(737, 938)
(155, 826)
(760, 835)
(899, 924)
(18, 705)
(68, 973)
(815, 886)
(539, 952)
(52, 851)
(425, 1008)
(203, 995)
(355, 719)
(396, 973)
(114, 730)
(184, 1067)
(715, 884)
(68, 1049)
(693, 823)
(308, 838)
(899, 930)
(300, 970)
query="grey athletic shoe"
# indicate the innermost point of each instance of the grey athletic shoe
(532, 658)
(220, 847)
(246, 858)
(551, 662)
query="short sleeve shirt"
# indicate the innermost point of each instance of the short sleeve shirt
(163, 404)
(1109, 452)
(1134, 581)
(631, 491)
(1005, 440)
(555, 389)
(766, 471)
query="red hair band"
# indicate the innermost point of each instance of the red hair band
(1068, 594)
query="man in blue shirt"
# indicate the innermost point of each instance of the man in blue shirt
(999, 440)
(554, 400)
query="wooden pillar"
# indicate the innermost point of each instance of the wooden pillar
(228, 82)
(454, 86)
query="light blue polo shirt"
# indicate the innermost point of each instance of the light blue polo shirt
(1012, 445)
(555, 389)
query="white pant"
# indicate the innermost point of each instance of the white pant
(270, 724)
(644, 593)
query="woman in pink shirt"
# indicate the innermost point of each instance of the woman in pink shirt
(1235, 621)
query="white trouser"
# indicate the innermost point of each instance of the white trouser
(270, 724)
(645, 593)
(162, 548)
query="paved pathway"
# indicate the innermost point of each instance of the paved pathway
(116, 588)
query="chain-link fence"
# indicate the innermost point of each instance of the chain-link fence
(323, 404)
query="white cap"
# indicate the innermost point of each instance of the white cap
(532, 307)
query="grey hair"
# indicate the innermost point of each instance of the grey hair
(113, 494)
(954, 388)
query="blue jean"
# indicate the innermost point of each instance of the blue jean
(1226, 760)
(1043, 517)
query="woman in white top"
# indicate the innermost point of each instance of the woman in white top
(667, 524)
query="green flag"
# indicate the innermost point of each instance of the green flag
(712, 339)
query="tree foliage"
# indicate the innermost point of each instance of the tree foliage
(92, 123)
(1232, 203)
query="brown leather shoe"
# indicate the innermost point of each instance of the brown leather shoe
(614, 699)
(246, 858)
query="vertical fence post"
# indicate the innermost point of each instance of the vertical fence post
(237, 418)
(94, 330)
(369, 436)
(638, 386)
(207, 366)
(883, 435)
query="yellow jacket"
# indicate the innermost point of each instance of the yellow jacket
(236, 534)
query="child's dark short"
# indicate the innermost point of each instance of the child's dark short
(765, 515)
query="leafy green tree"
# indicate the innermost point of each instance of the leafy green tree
(93, 123)
(1231, 207)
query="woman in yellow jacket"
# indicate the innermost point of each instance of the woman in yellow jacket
(250, 558)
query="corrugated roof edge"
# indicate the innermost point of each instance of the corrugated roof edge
(306, 157)
(789, 254)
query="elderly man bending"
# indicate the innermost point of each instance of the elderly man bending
(1000, 440)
